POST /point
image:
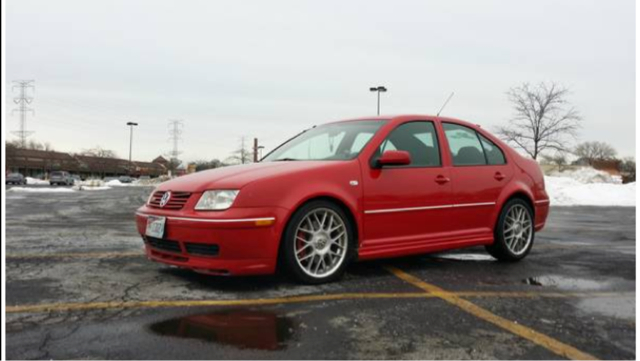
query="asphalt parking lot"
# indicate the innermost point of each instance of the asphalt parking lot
(79, 286)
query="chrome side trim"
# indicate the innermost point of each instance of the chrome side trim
(204, 220)
(392, 210)
(542, 201)
(474, 204)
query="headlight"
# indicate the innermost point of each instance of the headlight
(216, 200)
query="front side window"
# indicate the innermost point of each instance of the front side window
(417, 138)
(335, 141)
(464, 145)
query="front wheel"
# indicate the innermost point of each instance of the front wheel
(317, 243)
(514, 232)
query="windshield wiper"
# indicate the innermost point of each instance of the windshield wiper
(286, 160)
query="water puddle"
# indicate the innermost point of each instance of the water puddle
(245, 329)
(567, 283)
(465, 257)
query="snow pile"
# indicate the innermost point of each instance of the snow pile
(36, 181)
(589, 187)
(41, 190)
(90, 185)
(134, 183)
(588, 175)
(116, 183)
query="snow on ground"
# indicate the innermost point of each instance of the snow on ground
(36, 181)
(41, 190)
(589, 187)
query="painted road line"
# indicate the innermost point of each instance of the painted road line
(197, 303)
(76, 255)
(536, 337)
(51, 307)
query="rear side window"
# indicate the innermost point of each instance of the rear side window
(491, 150)
(417, 138)
(464, 145)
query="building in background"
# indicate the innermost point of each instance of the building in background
(39, 163)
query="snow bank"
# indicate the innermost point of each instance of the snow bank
(41, 190)
(588, 175)
(589, 187)
(134, 183)
(36, 181)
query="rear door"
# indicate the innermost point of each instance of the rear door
(479, 172)
(407, 205)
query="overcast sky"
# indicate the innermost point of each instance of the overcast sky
(269, 69)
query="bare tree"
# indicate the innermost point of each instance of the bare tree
(558, 159)
(99, 152)
(628, 170)
(204, 165)
(242, 155)
(543, 118)
(592, 151)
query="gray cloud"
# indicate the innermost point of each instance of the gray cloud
(271, 68)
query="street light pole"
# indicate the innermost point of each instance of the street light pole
(378, 89)
(131, 125)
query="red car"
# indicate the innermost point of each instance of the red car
(350, 190)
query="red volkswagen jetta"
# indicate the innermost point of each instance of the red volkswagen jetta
(350, 190)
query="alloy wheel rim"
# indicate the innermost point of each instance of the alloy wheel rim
(517, 230)
(320, 244)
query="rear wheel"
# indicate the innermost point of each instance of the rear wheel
(317, 243)
(514, 232)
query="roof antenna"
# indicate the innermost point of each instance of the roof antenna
(445, 104)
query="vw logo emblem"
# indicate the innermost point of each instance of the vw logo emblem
(165, 199)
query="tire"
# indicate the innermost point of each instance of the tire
(318, 243)
(514, 232)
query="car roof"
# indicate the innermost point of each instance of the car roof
(406, 117)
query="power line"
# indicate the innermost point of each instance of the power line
(23, 100)
(175, 135)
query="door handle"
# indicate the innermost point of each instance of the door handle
(499, 176)
(442, 179)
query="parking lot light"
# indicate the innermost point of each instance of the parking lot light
(131, 125)
(379, 89)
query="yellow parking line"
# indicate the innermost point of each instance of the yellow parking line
(291, 299)
(196, 303)
(545, 341)
(75, 255)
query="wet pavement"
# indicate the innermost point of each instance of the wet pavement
(78, 286)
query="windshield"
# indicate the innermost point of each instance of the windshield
(335, 141)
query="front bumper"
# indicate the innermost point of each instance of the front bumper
(238, 241)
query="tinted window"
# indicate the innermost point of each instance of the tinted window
(464, 145)
(491, 150)
(417, 138)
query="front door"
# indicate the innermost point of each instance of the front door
(407, 205)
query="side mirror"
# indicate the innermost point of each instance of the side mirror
(394, 157)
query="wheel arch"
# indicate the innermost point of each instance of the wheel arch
(348, 210)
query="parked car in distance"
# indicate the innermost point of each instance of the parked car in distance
(76, 178)
(109, 179)
(61, 178)
(16, 178)
(351, 190)
(125, 179)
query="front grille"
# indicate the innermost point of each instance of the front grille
(176, 201)
(164, 244)
(202, 249)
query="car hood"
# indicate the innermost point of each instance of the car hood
(236, 177)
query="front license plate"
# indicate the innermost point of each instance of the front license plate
(155, 226)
